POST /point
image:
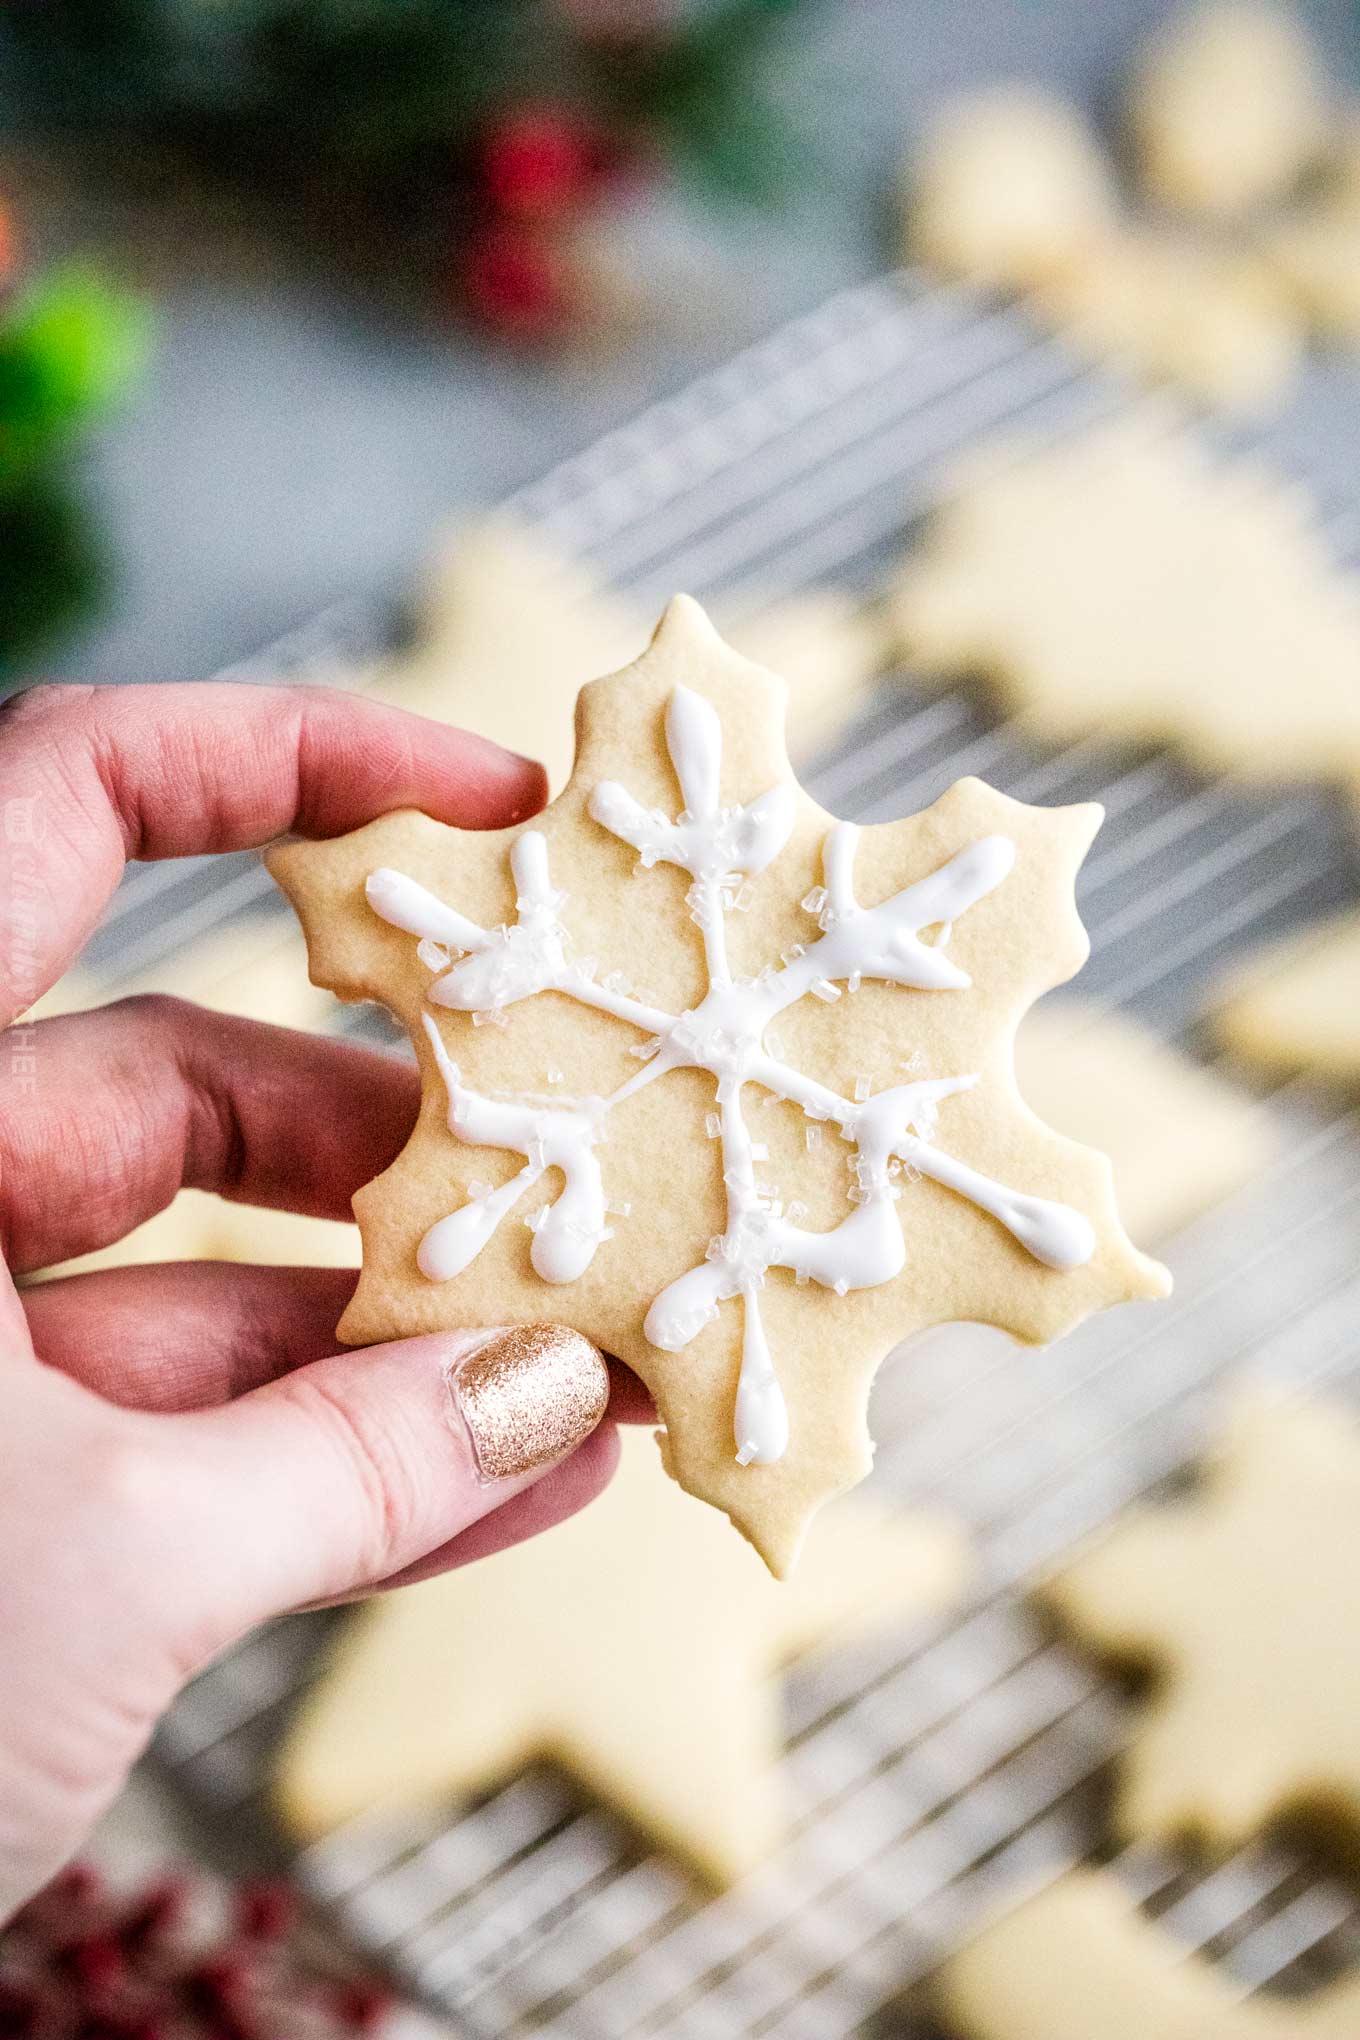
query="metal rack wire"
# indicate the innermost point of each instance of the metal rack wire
(931, 1773)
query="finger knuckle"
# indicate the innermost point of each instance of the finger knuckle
(43, 702)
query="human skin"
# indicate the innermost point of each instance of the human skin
(183, 1451)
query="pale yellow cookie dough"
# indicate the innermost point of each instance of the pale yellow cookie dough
(1227, 107)
(1213, 322)
(1296, 1005)
(508, 631)
(1178, 1137)
(1122, 582)
(636, 1646)
(1244, 1600)
(662, 1165)
(1078, 1961)
(1009, 187)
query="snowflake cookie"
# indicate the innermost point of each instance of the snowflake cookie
(1244, 1598)
(721, 1082)
(1078, 1961)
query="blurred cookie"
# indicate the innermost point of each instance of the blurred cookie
(1243, 1600)
(508, 631)
(1178, 1137)
(254, 968)
(1227, 107)
(828, 647)
(1315, 251)
(1296, 1005)
(636, 1646)
(1213, 322)
(1009, 187)
(199, 1226)
(1121, 582)
(1078, 1961)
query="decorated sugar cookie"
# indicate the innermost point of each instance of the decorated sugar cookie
(721, 1082)
(1124, 582)
(636, 1645)
(1078, 1961)
(1244, 1600)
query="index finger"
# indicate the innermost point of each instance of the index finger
(93, 776)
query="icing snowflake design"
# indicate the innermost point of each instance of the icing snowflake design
(481, 971)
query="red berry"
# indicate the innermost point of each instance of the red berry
(538, 161)
(79, 1882)
(265, 1910)
(216, 1991)
(73, 1890)
(215, 1986)
(362, 2007)
(19, 2010)
(160, 1909)
(97, 1962)
(514, 281)
(122, 2026)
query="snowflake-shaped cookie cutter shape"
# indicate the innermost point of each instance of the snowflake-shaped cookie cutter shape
(481, 971)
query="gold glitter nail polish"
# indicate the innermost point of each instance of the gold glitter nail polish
(528, 1395)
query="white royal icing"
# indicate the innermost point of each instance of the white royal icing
(725, 1035)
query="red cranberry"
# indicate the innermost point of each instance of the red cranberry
(514, 280)
(538, 161)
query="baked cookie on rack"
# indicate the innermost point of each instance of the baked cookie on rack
(1243, 1600)
(1078, 1961)
(1123, 582)
(1010, 188)
(508, 631)
(1227, 107)
(1296, 1004)
(1215, 322)
(721, 1082)
(636, 1646)
(1179, 1138)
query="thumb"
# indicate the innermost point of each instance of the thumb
(340, 1474)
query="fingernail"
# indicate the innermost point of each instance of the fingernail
(527, 1395)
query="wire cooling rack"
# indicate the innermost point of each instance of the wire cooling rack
(929, 1772)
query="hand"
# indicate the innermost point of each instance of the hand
(183, 1453)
